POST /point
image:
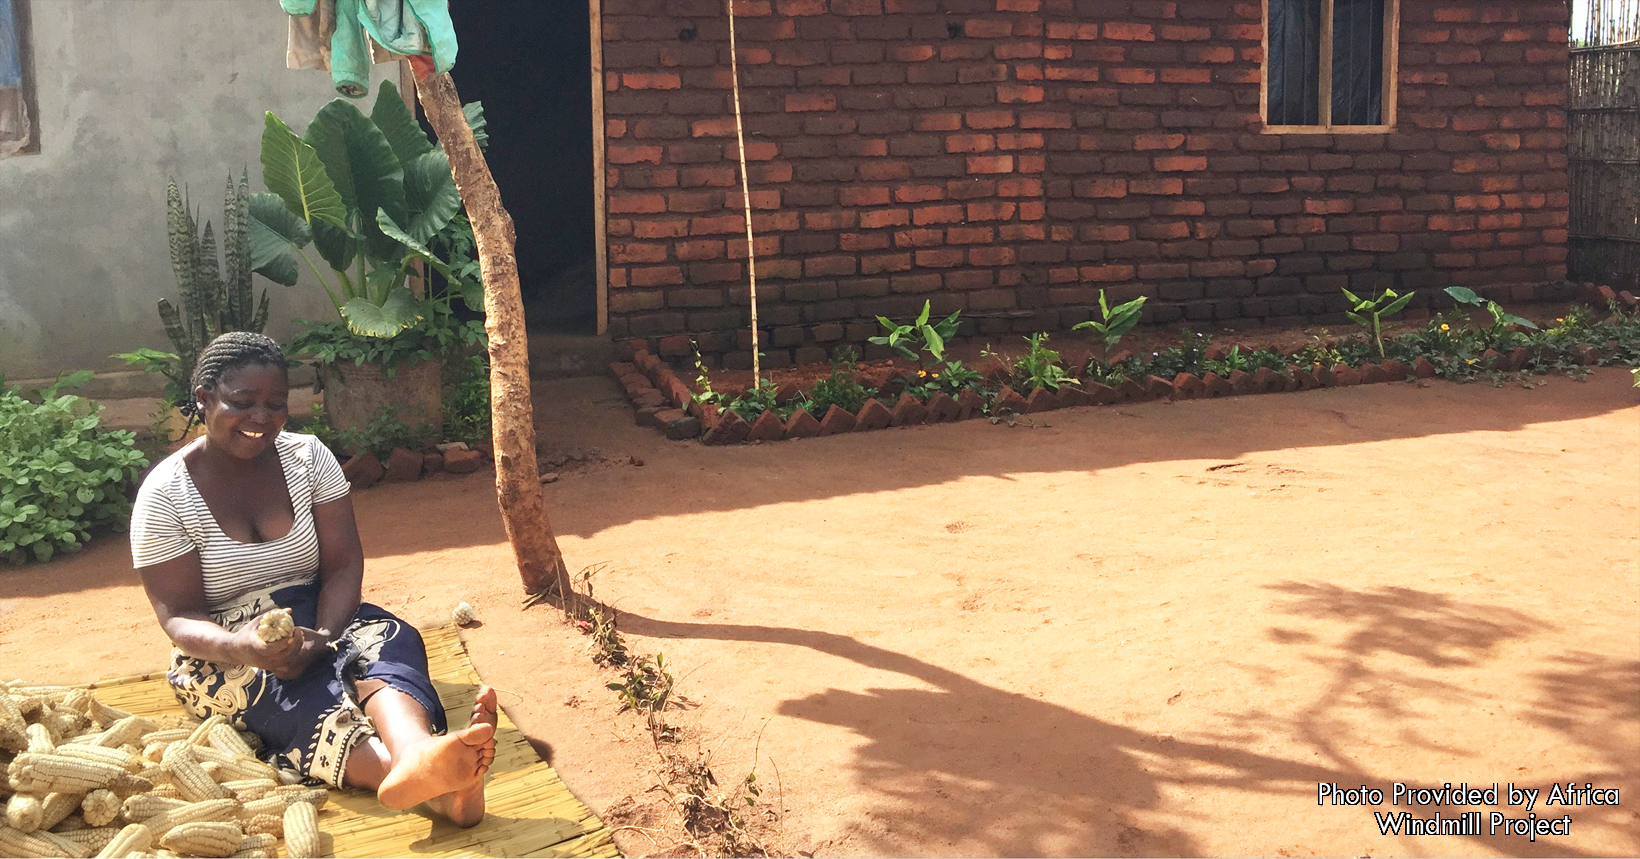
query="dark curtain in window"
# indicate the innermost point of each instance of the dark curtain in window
(1294, 62)
(1358, 62)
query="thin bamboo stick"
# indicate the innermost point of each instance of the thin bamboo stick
(745, 191)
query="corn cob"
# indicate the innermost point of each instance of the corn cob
(116, 734)
(167, 735)
(13, 730)
(78, 700)
(39, 740)
(105, 715)
(225, 739)
(204, 838)
(58, 807)
(200, 733)
(270, 824)
(33, 773)
(315, 796)
(64, 723)
(124, 760)
(131, 840)
(189, 777)
(37, 844)
(138, 808)
(246, 790)
(246, 768)
(270, 804)
(100, 807)
(194, 812)
(154, 751)
(166, 790)
(75, 820)
(276, 625)
(301, 831)
(23, 812)
(256, 846)
(91, 840)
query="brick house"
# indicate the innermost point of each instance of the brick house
(1012, 157)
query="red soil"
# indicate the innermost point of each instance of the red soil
(1146, 629)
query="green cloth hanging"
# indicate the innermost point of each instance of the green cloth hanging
(406, 27)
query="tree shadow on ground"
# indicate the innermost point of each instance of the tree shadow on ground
(977, 769)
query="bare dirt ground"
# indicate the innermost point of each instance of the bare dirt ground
(1136, 630)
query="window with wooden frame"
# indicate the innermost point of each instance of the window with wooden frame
(18, 132)
(1330, 65)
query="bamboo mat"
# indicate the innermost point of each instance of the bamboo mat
(530, 811)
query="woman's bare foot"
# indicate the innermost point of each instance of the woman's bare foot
(451, 764)
(465, 807)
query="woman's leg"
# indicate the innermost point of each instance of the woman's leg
(412, 765)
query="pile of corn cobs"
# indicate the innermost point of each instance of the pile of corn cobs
(84, 779)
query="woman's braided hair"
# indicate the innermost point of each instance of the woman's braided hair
(229, 352)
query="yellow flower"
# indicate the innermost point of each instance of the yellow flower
(936, 375)
(1445, 327)
(923, 373)
(1560, 319)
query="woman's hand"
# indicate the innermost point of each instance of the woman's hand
(285, 658)
(296, 662)
(267, 655)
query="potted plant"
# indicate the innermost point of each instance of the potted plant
(373, 195)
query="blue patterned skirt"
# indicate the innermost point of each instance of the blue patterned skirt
(312, 723)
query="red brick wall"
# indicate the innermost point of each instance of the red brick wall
(1011, 157)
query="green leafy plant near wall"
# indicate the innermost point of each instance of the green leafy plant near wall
(913, 339)
(61, 475)
(215, 299)
(369, 193)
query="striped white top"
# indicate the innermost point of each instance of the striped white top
(170, 519)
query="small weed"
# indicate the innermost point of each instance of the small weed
(918, 337)
(842, 388)
(1038, 368)
(709, 813)
(1499, 336)
(646, 686)
(951, 378)
(1369, 313)
(1113, 323)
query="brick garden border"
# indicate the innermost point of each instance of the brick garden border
(663, 400)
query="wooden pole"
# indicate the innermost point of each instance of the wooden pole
(518, 486)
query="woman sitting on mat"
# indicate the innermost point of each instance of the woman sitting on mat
(248, 519)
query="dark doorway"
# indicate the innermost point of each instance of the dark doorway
(531, 64)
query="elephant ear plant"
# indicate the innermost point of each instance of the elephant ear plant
(369, 193)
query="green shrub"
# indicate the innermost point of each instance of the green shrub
(841, 388)
(61, 475)
(384, 432)
(467, 398)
